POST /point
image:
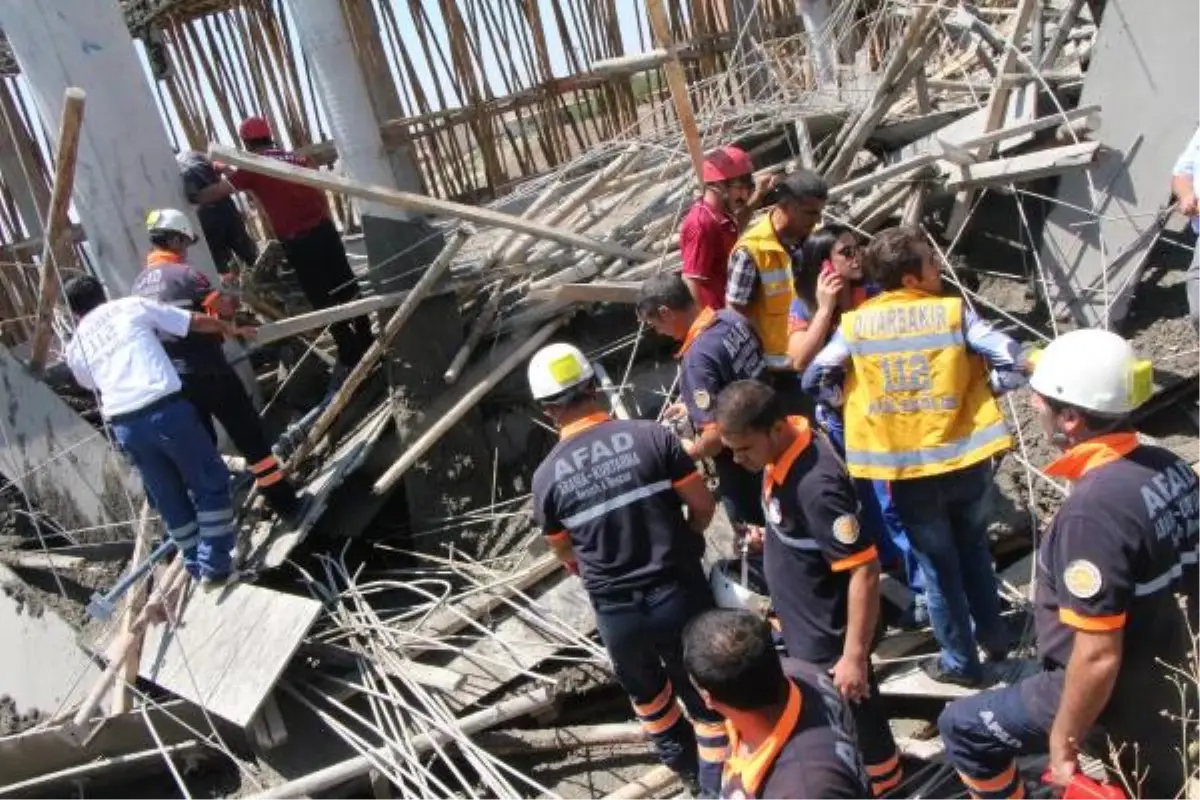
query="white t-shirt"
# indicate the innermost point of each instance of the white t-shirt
(116, 351)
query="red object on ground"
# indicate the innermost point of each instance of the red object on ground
(1082, 787)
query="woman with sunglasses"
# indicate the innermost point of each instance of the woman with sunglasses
(829, 282)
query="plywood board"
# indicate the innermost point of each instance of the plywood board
(1150, 110)
(229, 648)
(520, 642)
(62, 464)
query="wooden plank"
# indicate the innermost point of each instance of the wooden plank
(42, 751)
(520, 643)
(677, 83)
(1020, 129)
(595, 292)
(274, 331)
(61, 463)
(59, 251)
(229, 648)
(418, 203)
(879, 176)
(1018, 169)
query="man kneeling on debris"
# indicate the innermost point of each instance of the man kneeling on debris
(790, 734)
(717, 348)
(116, 352)
(1110, 629)
(208, 380)
(610, 498)
(821, 565)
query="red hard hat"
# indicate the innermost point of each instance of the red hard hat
(254, 128)
(725, 164)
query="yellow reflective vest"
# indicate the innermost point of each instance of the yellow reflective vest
(918, 402)
(768, 311)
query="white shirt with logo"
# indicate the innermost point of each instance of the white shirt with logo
(116, 350)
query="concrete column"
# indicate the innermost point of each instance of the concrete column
(815, 14)
(125, 166)
(340, 38)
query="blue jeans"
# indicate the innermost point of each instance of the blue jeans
(879, 516)
(643, 633)
(186, 482)
(945, 516)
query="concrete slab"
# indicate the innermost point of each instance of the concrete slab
(62, 464)
(1149, 111)
(43, 668)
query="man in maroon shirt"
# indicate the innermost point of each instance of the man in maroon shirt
(300, 218)
(713, 223)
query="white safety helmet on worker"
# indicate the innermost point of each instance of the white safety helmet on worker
(557, 368)
(1094, 370)
(170, 220)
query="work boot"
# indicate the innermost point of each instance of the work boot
(938, 672)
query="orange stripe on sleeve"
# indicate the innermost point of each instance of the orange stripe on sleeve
(856, 560)
(1112, 622)
(686, 479)
(558, 537)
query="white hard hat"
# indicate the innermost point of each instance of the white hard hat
(728, 592)
(170, 220)
(1092, 369)
(557, 368)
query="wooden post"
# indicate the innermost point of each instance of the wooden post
(133, 602)
(57, 244)
(677, 82)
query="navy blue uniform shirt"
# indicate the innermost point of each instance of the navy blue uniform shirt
(610, 487)
(811, 753)
(813, 541)
(1120, 549)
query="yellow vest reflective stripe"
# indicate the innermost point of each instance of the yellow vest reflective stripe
(918, 402)
(768, 311)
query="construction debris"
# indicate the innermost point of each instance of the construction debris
(411, 646)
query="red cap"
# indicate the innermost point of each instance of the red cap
(725, 164)
(254, 128)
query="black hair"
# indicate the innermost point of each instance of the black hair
(730, 655)
(803, 184)
(1098, 424)
(257, 144)
(665, 289)
(745, 406)
(892, 254)
(163, 239)
(816, 250)
(84, 293)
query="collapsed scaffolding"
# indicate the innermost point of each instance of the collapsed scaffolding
(951, 115)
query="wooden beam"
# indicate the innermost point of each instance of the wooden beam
(56, 251)
(677, 82)
(292, 326)
(514, 742)
(627, 65)
(1017, 169)
(418, 203)
(1033, 126)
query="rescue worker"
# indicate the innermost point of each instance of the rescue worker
(116, 352)
(829, 282)
(821, 565)
(222, 223)
(1121, 547)
(1183, 186)
(919, 413)
(209, 382)
(299, 215)
(610, 498)
(711, 226)
(717, 348)
(791, 735)
(762, 272)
